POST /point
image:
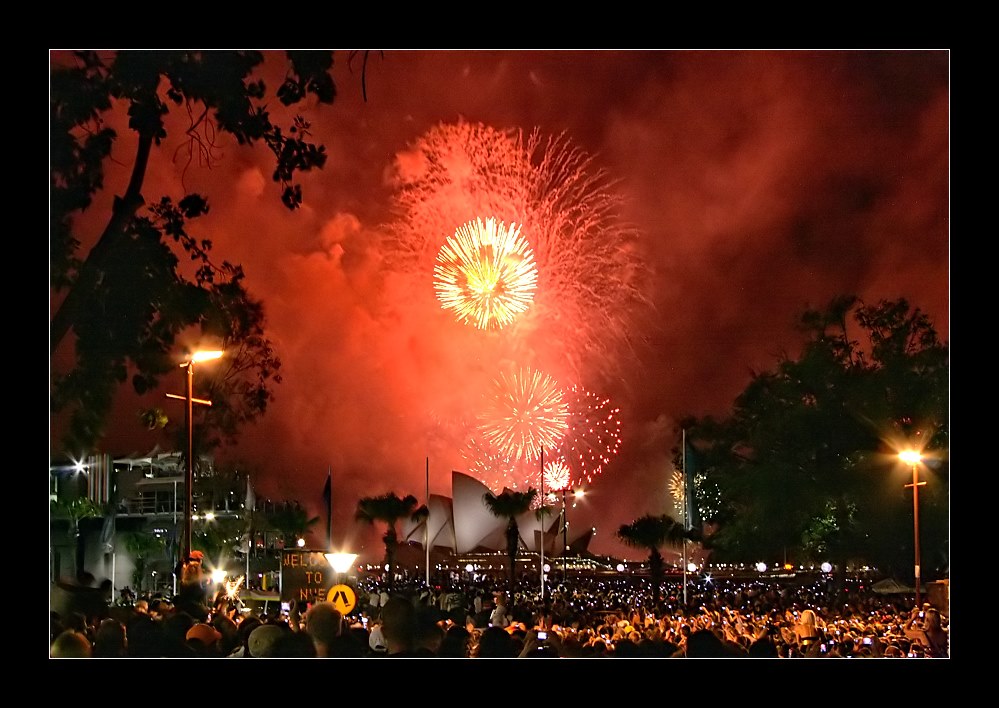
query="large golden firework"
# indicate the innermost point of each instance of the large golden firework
(485, 274)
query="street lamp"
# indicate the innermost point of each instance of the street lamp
(189, 472)
(912, 457)
(341, 563)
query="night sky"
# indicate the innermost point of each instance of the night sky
(754, 184)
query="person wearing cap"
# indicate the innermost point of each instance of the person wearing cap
(263, 638)
(204, 640)
(376, 640)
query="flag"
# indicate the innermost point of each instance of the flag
(251, 498)
(328, 501)
(107, 531)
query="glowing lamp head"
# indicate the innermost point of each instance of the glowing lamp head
(910, 457)
(301, 543)
(341, 562)
(691, 567)
(218, 575)
(206, 355)
(826, 567)
(761, 567)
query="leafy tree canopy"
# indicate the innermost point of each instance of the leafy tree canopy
(806, 464)
(126, 299)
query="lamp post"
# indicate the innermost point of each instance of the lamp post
(189, 472)
(341, 563)
(565, 540)
(577, 494)
(911, 457)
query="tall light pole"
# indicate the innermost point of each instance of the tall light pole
(577, 494)
(565, 541)
(912, 457)
(189, 472)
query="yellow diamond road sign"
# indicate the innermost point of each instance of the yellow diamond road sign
(343, 598)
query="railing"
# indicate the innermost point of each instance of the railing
(150, 506)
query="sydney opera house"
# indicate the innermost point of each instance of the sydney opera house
(463, 524)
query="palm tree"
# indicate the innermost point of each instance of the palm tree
(509, 505)
(653, 532)
(389, 508)
(142, 546)
(290, 521)
(75, 510)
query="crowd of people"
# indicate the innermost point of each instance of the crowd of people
(587, 617)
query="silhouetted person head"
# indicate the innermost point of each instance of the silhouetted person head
(293, 645)
(763, 648)
(71, 644)
(496, 643)
(324, 623)
(705, 644)
(399, 625)
(456, 643)
(110, 640)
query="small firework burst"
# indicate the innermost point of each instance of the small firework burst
(232, 588)
(592, 438)
(485, 274)
(524, 415)
(557, 475)
(490, 467)
(677, 487)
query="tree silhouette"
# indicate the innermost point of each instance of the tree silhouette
(509, 505)
(127, 299)
(805, 467)
(143, 547)
(76, 510)
(652, 533)
(289, 520)
(389, 509)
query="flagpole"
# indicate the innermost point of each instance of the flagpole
(684, 462)
(542, 525)
(426, 526)
(251, 505)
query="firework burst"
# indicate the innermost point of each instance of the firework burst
(591, 278)
(557, 475)
(485, 273)
(524, 415)
(232, 588)
(593, 435)
(677, 488)
(490, 467)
